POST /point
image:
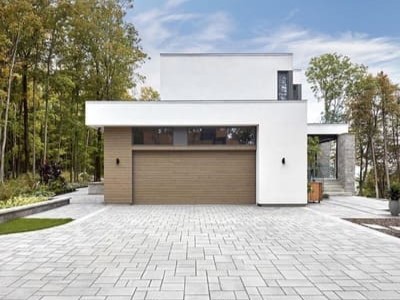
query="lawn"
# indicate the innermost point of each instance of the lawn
(30, 224)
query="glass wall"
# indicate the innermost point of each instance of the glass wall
(195, 136)
(283, 85)
(153, 136)
(222, 136)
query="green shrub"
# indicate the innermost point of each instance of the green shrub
(27, 189)
(21, 200)
(60, 186)
(394, 191)
(325, 196)
(19, 186)
(84, 177)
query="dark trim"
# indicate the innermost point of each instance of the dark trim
(281, 205)
(226, 54)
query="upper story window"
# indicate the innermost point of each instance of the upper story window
(152, 136)
(283, 85)
(222, 136)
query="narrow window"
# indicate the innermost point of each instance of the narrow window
(283, 85)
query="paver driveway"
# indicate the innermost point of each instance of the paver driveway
(201, 252)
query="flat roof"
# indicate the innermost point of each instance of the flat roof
(225, 54)
(192, 113)
(327, 129)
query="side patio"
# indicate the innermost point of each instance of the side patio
(335, 164)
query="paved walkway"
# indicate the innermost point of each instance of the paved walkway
(353, 207)
(81, 205)
(199, 252)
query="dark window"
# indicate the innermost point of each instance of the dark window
(296, 91)
(241, 136)
(152, 136)
(283, 85)
(222, 136)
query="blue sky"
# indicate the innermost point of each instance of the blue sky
(368, 31)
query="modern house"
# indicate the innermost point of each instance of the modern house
(230, 128)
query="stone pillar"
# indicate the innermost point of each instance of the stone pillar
(346, 161)
(324, 159)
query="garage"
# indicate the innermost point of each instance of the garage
(194, 177)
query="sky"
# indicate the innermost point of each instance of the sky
(368, 31)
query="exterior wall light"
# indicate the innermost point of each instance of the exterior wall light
(117, 161)
(283, 161)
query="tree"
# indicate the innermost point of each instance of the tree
(55, 55)
(112, 55)
(313, 149)
(15, 18)
(333, 78)
(388, 105)
(374, 112)
(362, 116)
(147, 93)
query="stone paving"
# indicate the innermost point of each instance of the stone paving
(353, 207)
(200, 252)
(81, 205)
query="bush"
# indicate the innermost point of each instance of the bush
(60, 186)
(21, 200)
(27, 189)
(394, 191)
(84, 177)
(325, 196)
(20, 186)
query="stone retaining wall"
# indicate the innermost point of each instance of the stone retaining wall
(96, 188)
(25, 210)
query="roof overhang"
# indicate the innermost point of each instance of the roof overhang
(319, 129)
(191, 113)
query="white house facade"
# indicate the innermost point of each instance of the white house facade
(230, 128)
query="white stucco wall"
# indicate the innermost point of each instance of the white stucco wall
(221, 76)
(282, 132)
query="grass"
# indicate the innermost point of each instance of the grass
(30, 224)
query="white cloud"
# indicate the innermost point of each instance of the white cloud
(174, 3)
(172, 29)
(379, 54)
(165, 29)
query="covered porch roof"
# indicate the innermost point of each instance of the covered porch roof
(326, 132)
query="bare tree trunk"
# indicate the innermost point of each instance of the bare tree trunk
(366, 160)
(46, 113)
(360, 177)
(395, 131)
(385, 160)
(25, 106)
(86, 150)
(10, 79)
(46, 95)
(97, 173)
(14, 159)
(34, 122)
(375, 169)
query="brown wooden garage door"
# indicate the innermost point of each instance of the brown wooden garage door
(194, 177)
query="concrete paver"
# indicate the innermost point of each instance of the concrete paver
(199, 252)
(353, 207)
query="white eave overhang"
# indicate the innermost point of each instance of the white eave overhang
(187, 113)
(327, 129)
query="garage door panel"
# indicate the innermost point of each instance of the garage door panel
(193, 177)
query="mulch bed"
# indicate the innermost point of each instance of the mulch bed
(380, 221)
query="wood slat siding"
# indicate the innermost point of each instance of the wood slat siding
(118, 178)
(194, 177)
